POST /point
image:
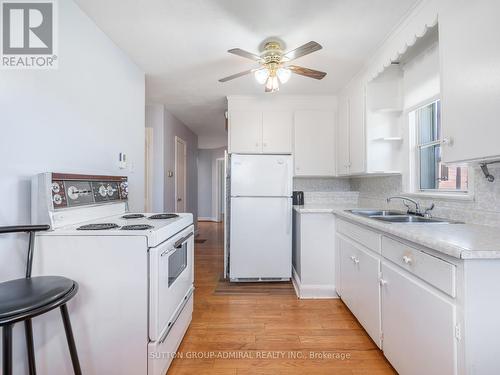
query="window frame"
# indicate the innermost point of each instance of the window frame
(414, 160)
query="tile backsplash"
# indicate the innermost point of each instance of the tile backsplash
(484, 209)
(321, 184)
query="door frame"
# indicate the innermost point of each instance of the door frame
(180, 140)
(219, 162)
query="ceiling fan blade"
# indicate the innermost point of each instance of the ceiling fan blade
(245, 54)
(306, 49)
(237, 75)
(311, 73)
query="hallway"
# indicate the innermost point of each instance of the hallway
(268, 331)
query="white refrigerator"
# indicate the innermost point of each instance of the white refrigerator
(260, 220)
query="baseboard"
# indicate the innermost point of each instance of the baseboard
(312, 291)
(212, 219)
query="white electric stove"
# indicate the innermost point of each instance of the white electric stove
(135, 272)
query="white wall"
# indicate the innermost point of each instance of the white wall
(174, 127)
(155, 119)
(165, 128)
(74, 119)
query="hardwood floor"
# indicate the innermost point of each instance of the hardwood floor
(267, 333)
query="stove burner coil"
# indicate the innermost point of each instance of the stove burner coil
(137, 227)
(163, 216)
(99, 226)
(132, 216)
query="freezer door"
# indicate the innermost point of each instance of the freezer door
(261, 238)
(261, 175)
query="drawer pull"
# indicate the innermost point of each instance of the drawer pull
(382, 282)
(354, 259)
(407, 259)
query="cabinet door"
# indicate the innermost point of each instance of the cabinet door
(277, 132)
(368, 293)
(469, 36)
(343, 137)
(418, 326)
(360, 286)
(245, 132)
(357, 136)
(314, 143)
(348, 273)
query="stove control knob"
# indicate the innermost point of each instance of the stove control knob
(57, 199)
(55, 187)
(73, 192)
(103, 191)
(110, 190)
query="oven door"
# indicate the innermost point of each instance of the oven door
(171, 281)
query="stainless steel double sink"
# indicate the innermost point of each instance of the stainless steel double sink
(399, 217)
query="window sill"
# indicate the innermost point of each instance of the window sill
(469, 197)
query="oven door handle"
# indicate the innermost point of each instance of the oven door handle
(176, 316)
(178, 244)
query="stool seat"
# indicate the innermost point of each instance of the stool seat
(21, 300)
(22, 296)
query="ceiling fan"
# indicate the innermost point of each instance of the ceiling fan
(274, 68)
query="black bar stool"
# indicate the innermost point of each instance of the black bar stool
(24, 299)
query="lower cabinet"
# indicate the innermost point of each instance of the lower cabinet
(418, 325)
(359, 274)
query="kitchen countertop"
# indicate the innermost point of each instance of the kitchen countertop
(463, 241)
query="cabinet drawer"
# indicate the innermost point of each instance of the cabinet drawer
(435, 271)
(359, 234)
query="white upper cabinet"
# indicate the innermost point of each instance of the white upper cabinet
(245, 132)
(260, 132)
(314, 143)
(343, 137)
(357, 141)
(277, 132)
(469, 40)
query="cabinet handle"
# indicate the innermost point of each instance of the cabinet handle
(382, 282)
(407, 259)
(264, 144)
(354, 259)
(447, 141)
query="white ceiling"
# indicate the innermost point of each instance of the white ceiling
(182, 44)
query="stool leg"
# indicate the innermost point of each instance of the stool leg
(28, 327)
(71, 340)
(7, 350)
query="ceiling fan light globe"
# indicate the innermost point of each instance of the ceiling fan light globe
(261, 76)
(275, 84)
(284, 74)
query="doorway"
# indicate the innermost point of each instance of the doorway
(180, 175)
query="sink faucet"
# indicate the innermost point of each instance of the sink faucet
(419, 211)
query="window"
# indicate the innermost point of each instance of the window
(432, 174)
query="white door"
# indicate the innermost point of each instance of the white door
(261, 175)
(357, 136)
(314, 143)
(418, 326)
(261, 238)
(469, 36)
(180, 175)
(343, 137)
(277, 132)
(245, 132)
